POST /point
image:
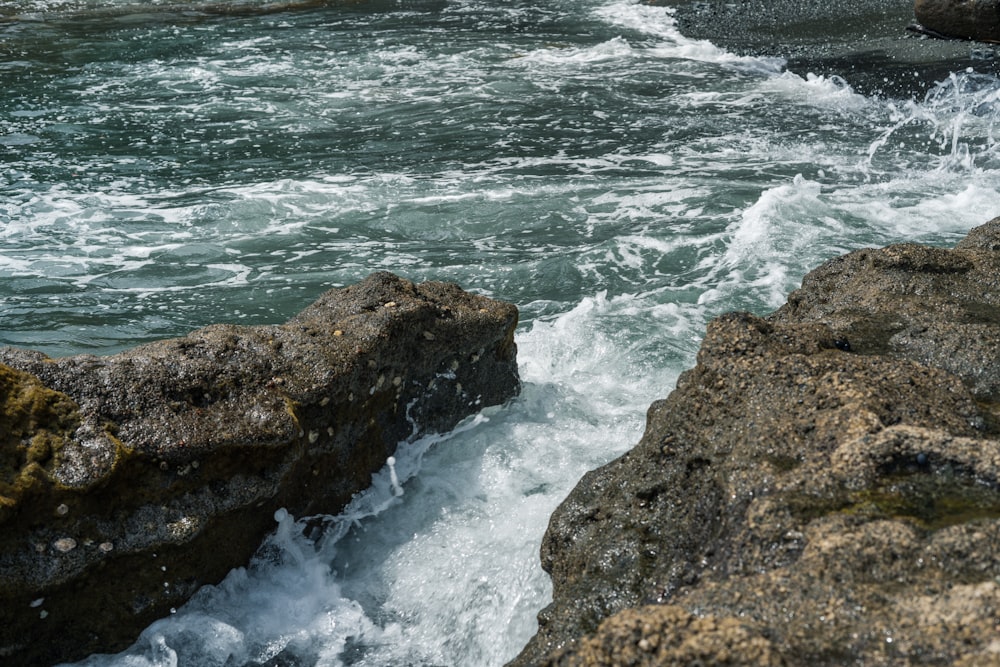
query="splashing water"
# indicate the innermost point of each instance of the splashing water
(620, 182)
(957, 117)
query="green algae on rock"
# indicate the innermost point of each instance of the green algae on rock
(35, 423)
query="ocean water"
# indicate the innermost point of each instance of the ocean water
(163, 169)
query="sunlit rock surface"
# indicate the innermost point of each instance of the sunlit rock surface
(129, 481)
(822, 488)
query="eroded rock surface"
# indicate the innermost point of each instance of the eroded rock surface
(822, 488)
(129, 481)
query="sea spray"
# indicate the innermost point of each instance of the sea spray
(956, 122)
(288, 600)
(620, 182)
(397, 489)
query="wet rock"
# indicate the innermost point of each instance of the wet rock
(934, 306)
(129, 481)
(961, 19)
(823, 487)
(872, 44)
(653, 636)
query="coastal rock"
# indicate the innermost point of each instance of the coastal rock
(963, 19)
(823, 487)
(129, 481)
(871, 44)
(658, 635)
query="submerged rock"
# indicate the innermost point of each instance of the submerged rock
(129, 481)
(822, 488)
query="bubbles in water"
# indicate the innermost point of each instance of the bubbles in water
(621, 182)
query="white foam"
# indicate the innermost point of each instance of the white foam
(658, 22)
(767, 246)
(480, 503)
(618, 246)
(614, 49)
(642, 22)
(289, 599)
(448, 574)
(913, 210)
(826, 92)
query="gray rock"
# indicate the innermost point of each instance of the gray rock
(176, 454)
(822, 488)
(872, 44)
(962, 19)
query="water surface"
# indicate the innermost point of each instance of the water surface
(620, 182)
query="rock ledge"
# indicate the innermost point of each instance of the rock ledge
(822, 488)
(129, 481)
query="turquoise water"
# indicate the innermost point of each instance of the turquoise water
(165, 169)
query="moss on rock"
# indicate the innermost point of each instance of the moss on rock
(35, 424)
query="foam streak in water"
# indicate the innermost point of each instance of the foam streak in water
(658, 22)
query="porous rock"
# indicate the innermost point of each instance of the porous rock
(129, 481)
(823, 487)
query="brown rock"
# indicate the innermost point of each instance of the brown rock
(129, 481)
(825, 480)
(653, 636)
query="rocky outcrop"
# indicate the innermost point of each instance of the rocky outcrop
(822, 488)
(129, 481)
(961, 19)
(873, 44)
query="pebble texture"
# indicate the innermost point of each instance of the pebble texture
(822, 488)
(129, 481)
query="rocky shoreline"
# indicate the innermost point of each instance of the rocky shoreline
(823, 487)
(130, 481)
(875, 45)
